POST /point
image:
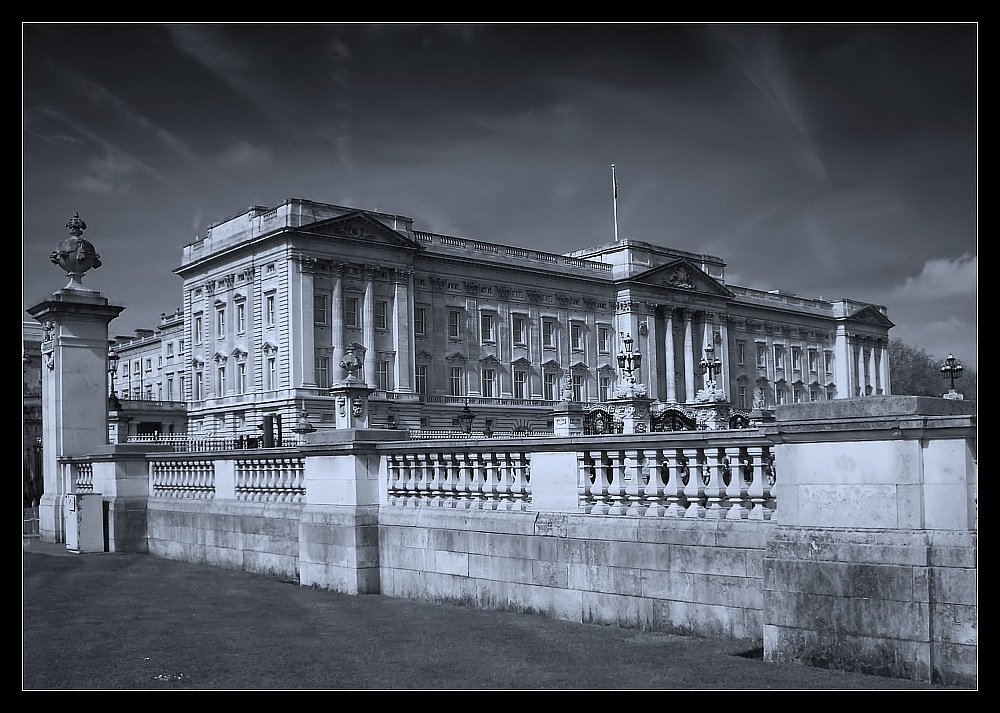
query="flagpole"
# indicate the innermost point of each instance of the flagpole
(614, 184)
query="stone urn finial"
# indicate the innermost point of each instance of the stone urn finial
(76, 255)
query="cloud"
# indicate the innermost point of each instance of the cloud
(942, 278)
(243, 154)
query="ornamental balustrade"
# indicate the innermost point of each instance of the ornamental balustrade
(463, 478)
(731, 482)
(192, 443)
(82, 475)
(273, 480)
(183, 479)
(718, 475)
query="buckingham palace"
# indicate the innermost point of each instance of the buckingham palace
(275, 298)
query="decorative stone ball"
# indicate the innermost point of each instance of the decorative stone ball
(76, 256)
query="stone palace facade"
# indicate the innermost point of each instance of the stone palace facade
(273, 298)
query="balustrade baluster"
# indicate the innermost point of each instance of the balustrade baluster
(756, 489)
(695, 487)
(447, 480)
(677, 474)
(411, 479)
(519, 487)
(618, 504)
(599, 488)
(634, 484)
(463, 485)
(736, 488)
(505, 483)
(715, 487)
(654, 472)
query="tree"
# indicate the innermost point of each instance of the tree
(914, 372)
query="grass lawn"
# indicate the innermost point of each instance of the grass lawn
(127, 622)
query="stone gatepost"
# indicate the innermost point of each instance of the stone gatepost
(74, 373)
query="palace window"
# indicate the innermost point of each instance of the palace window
(828, 362)
(549, 386)
(779, 394)
(381, 315)
(221, 372)
(198, 327)
(487, 329)
(489, 378)
(779, 357)
(382, 375)
(741, 353)
(170, 349)
(742, 398)
(241, 378)
(170, 389)
(322, 371)
(604, 340)
(320, 313)
(421, 375)
(419, 320)
(548, 333)
(220, 321)
(269, 310)
(352, 317)
(796, 359)
(454, 324)
(517, 330)
(272, 374)
(604, 386)
(455, 381)
(520, 384)
(576, 382)
(813, 361)
(576, 337)
(762, 356)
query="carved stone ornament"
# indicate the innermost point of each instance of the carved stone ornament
(357, 406)
(75, 255)
(680, 276)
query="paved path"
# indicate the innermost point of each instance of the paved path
(135, 622)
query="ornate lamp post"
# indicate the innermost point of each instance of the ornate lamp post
(114, 404)
(952, 369)
(711, 365)
(465, 419)
(629, 362)
(303, 426)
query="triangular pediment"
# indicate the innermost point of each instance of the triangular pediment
(360, 227)
(871, 315)
(521, 362)
(683, 276)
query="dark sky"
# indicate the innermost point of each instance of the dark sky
(828, 160)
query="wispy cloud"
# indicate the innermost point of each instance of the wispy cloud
(957, 277)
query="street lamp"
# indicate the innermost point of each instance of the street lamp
(113, 402)
(951, 370)
(465, 419)
(710, 364)
(628, 360)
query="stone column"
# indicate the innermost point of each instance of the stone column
(368, 326)
(884, 369)
(689, 390)
(74, 390)
(842, 365)
(723, 380)
(669, 368)
(302, 325)
(402, 328)
(337, 321)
